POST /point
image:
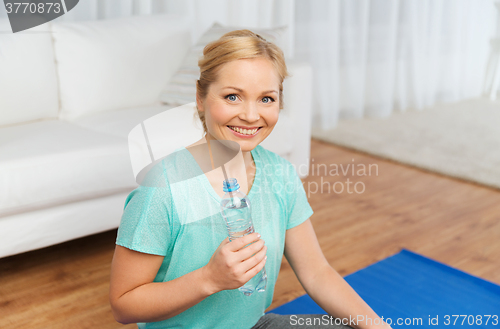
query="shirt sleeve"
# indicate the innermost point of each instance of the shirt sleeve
(146, 221)
(299, 209)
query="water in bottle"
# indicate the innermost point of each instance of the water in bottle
(235, 208)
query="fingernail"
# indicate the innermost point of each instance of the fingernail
(266, 257)
(258, 235)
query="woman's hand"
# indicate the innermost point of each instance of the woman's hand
(232, 264)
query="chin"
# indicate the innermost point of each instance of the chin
(248, 146)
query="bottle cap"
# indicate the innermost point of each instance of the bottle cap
(230, 185)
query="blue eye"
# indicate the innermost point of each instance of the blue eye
(231, 95)
(233, 98)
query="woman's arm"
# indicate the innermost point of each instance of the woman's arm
(134, 297)
(325, 286)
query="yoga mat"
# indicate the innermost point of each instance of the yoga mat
(419, 292)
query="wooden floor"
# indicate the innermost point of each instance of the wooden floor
(451, 221)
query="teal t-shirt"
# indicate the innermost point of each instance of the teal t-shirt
(176, 214)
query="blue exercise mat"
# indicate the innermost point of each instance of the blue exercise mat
(408, 286)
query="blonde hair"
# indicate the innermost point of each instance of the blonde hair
(234, 45)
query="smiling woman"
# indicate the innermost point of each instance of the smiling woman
(174, 265)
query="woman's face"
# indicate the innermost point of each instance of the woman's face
(245, 96)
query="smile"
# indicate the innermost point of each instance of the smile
(245, 133)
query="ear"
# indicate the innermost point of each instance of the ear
(199, 103)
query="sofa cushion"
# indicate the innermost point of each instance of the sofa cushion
(52, 162)
(28, 81)
(181, 89)
(159, 129)
(45, 227)
(117, 63)
(119, 122)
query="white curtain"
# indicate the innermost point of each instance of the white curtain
(374, 57)
(369, 57)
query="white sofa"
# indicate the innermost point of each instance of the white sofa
(70, 93)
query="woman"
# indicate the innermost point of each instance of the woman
(174, 265)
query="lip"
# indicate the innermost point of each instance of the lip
(243, 127)
(237, 134)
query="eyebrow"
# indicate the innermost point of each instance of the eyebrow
(241, 91)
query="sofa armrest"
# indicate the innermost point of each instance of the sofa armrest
(297, 95)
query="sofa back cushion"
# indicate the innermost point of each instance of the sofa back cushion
(28, 81)
(117, 63)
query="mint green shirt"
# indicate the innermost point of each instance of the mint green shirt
(175, 213)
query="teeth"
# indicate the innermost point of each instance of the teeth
(244, 131)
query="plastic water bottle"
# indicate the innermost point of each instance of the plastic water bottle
(235, 208)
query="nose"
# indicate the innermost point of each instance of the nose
(250, 112)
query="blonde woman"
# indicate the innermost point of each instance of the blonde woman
(174, 266)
